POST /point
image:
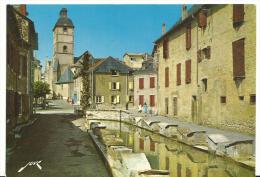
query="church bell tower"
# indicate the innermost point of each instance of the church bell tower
(63, 41)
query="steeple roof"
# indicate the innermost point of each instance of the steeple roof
(64, 20)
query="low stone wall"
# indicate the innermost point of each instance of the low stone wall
(196, 138)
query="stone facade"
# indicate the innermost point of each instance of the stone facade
(48, 74)
(37, 70)
(21, 42)
(212, 95)
(63, 55)
(148, 93)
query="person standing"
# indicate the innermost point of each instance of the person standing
(145, 107)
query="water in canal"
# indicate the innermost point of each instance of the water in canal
(181, 160)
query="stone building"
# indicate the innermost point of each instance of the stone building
(21, 42)
(135, 60)
(111, 83)
(63, 56)
(145, 86)
(207, 67)
(48, 74)
(37, 70)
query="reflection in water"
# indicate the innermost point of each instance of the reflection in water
(181, 160)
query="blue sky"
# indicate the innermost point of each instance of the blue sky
(105, 30)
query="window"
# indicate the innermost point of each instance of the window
(20, 67)
(20, 105)
(141, 100)
(199, 56)
(65, 48)
(131, 85)
(178, 74)
(65, 29)
(115, 72)
(141, 83)
(100, 99)
(223, 99)
(115, 99)
(152, 100)
(175, 103)
(188, 172)
(152, 146)
(141, 144)
(206, 52)
(166, 106)
(178, 170)
(188, 37)
(238, 59)
(131, 98)
(188, 71)
(152, 79)
(133, 59)
(114, 85)
(238, 14)
(252, 99)
(165, 49)
(241, 98)
(167, 163)
(24, 66)
(205, 84)
(167, 77)
(202, 19)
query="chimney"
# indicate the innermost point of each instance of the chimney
(22, 9)
(63, 12)
(163, 28)
(184, 12)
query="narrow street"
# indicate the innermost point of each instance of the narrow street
(63, 148)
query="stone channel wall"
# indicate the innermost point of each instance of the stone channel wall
(197, 138)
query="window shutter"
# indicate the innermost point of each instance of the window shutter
(152, 101)
(141, 144)
(188, 71)
(152, 85)
(199, 57)
(118, 85)
(109, 85)
(238, 59)
(141, 83)
(166, 77)
(118, 99)
(188, 37)
(238, 14)
(165, 49)
(152, 146)
(202, 19)
(102, 99)
(179, 74)
(141, 100)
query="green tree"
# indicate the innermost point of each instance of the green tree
(84, 73)
(40, 90)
